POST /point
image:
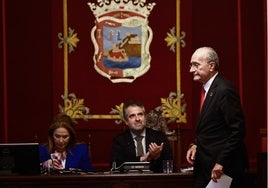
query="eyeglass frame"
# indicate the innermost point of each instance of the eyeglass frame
(196, 64)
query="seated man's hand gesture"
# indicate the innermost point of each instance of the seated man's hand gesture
(154, 152)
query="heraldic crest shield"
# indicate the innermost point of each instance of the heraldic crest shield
(121, 38)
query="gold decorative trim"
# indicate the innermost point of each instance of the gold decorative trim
(74, 107)
(172, 39)
(71, 40)
(172, 108)
(118, 110)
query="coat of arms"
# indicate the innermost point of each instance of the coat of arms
(121, 38)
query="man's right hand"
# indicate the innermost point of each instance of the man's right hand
(190, 156)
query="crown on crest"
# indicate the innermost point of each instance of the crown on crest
(106, 6)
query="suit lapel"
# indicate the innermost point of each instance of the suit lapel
(130, 142)
(147, 139)
(209, 97)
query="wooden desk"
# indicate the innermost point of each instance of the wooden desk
(178, 180)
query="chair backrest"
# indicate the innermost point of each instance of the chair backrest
(156, 121)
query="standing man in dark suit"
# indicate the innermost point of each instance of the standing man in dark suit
(219, 147)
(155, 147)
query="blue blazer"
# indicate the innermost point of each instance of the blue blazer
(77, 157)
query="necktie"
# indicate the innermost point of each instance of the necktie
(203, 93)
(139, 145)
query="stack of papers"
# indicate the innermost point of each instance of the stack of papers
(224, 182)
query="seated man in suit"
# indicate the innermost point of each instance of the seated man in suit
(155, 145)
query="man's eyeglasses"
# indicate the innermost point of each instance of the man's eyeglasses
(195, 65)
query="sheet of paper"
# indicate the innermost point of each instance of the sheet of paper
(224, 182)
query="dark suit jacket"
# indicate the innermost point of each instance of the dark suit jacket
(123, 148)
(220, 131)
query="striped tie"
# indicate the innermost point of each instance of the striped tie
(139, 145)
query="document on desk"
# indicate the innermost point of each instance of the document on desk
(224, 182)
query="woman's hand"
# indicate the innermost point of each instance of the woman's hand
(48, 164)
(52, 164)
(56, 164)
